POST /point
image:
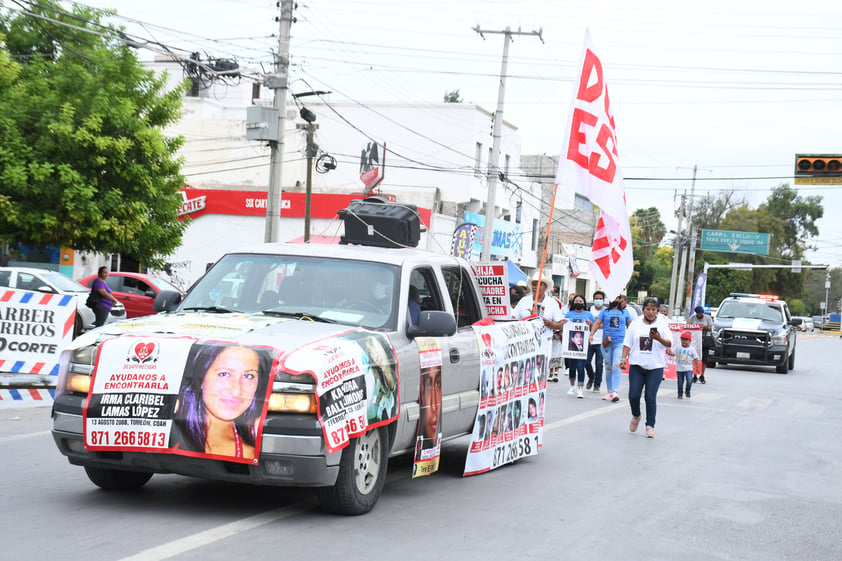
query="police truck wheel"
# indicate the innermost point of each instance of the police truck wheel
(792, 360)
(117, 480)
(783, 367)
(362, 473)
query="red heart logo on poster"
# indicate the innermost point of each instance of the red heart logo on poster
(143, 350)
(486, 339)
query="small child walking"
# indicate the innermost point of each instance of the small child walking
(685, 356)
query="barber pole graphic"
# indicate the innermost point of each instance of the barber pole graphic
(590, 162)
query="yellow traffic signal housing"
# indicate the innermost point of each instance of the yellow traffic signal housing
(818, 164)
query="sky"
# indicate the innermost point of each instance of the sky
(733, 88)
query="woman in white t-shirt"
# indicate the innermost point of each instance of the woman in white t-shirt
(647, 339)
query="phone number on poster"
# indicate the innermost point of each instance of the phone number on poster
(514, 450)
(127, 438)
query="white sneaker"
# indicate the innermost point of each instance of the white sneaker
(572, 390)
(579, 393)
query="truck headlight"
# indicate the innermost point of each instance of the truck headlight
(80, 369)
(293, 393)
(779, 338)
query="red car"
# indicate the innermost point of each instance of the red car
(136, 291)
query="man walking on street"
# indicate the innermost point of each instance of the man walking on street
(701, 318)
(594, 369)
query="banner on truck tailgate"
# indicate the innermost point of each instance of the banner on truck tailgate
(356, 377)
(178, 395)
(514, 362)
(428, 435)
(34, 329)
(493, 281)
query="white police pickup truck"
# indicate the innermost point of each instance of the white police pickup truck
(286, 364)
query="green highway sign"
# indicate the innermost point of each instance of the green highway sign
(727, 241)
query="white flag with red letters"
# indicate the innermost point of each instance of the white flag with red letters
(590, 162)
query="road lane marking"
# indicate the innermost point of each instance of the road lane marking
(207, 537)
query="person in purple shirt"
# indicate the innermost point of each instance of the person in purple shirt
(107, 300)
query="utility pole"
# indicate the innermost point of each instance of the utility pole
(312, 149)
(493, 162)
(676, 250)
(279, 82)
(691, 249)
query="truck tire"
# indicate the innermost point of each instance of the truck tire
(362, 473)
(792, 360)
(783, 367)
(77, 326)
(117, 480)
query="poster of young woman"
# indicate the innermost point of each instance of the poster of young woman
(178, 395)
(428, 439)
(356, 377)
(514, 362)
(574, 340)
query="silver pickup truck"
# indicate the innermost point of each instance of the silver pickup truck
(274, 298)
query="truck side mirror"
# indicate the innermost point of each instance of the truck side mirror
(433, 323)
(166, 301)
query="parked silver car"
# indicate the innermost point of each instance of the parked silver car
(53, 282)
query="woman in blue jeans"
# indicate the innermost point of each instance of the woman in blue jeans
(613, 321)
(647, 339)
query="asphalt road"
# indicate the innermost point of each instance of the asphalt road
(748, 469)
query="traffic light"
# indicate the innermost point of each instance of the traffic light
(818, 164)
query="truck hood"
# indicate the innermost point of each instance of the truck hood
(748, 324)
(281, 333)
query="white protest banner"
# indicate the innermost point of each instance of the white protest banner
(34, 329)
(514, 362)
(493, 281)
(590, 162)
(356, 382)
(177, 395)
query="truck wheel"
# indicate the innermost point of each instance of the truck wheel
(117, 480)
(362, 473)
(792, 360)
(783, 367)
(77, 326)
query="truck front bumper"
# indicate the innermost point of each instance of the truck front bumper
(292, 452)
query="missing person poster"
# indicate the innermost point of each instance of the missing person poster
(428, 439)
(514, 362)
(178, 395)
(574, 340)
(356, 377)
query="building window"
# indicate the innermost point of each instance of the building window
(255, 90)
(506, 167)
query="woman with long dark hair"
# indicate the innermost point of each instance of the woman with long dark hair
(221, 400)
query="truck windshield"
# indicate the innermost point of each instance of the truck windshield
(340, 290)
(750, 310)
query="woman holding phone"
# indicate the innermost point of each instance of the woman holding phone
(644, 346)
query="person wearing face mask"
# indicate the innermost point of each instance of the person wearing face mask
(593, 364)
(576, 366)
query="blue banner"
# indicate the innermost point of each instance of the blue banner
(507, 240)
(699, 291)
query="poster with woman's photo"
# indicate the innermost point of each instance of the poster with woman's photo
(428, 436)
(514, 361)
(574, 340)
(181, 396)
(356, 377)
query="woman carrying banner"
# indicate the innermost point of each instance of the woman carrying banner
(646, 341)
(221, 399)
(542, 304)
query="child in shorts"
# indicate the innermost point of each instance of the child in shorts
(685, 356)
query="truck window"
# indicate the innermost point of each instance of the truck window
(462, 296)
(424, 290)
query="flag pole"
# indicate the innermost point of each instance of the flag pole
(546, 241)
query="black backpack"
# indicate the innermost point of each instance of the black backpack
(94, 298)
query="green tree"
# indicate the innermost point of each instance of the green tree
(452, 97)
(84, 162)
(647, 232)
